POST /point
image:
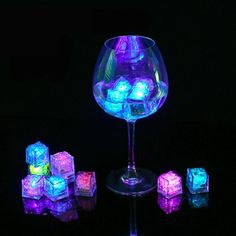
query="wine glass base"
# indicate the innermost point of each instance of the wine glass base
(116, 185)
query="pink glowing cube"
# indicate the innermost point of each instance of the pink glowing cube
(85, 184)
(169, 184)
(33, 186)
(62, 165)
(169, 205)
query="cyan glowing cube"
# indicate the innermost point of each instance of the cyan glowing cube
(198, 200)
(111, 107)
(116, 96)
(37, 154)
(62, 165)
(197, 180)
(33, 186)
(169, 184)
(32, 206)
(55, 188)
(169, 205)
(40, 170)
(140, 90)
(122, 85)
(85, 184)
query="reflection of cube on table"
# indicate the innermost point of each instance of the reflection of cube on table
(55, 188)
(197, 180)
(32, 186)
(62, 165)
(169, 205)
(198, 200)
(33, 206)
(87, 204)
(85, 184)
(37, 154)
(169, 184)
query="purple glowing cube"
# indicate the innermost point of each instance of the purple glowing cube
(32, 206)
(169, 184)
(55, 188)
(198, 200)
(37, 154)
(62, 165)
(169, 205)
(32, 186)
(197, 180)
(85, 184)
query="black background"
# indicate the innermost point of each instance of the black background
(48, 53)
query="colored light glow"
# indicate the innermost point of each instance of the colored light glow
(85, 183)
(116, 96)
(37, 154)
(112, 107)
(197, 180)
(169, 205)
(55, 188)
(169, 184)
(123, 86)
(32, 206)
(62, 165)
(41, 170)
(32, 186)
(198, 200)
(87, 204)
(140, 91)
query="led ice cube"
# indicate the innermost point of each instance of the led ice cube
(122, 85)
(37, 154)
(169, 184)
(85, 184)
(32, 186)
(112, 107)
(33, 206)
(40, 170)
(62, 165)
(198, 200)
(55, 188)
(169, 205)
(197, 180)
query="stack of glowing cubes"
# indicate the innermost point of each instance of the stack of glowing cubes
(52, 177)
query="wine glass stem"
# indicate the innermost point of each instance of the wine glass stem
(130, 177)
(131, 139)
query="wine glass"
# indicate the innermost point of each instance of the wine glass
(130, 82)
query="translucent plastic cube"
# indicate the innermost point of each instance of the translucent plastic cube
(62, 165)
(169, 205)
(40, 170)
(32, 206)
(55, 188)
(197, 180)
(198, 200)
(85, 184)
(32, 186)
(169, 184)
(37, 154)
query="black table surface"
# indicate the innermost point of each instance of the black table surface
(100, 145)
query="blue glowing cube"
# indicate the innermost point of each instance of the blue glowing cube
(37, 154)
(198, 200)
(33, 186)
(55, 188)
(197, 180)
(141, 90)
